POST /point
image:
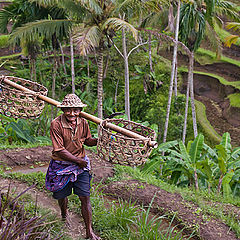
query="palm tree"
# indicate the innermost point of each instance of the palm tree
(93, 21)
(18, 13)
(31, 32)
(94, 34)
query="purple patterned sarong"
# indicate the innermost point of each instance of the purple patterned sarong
(61, 172)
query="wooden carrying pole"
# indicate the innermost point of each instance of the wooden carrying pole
(83, 114)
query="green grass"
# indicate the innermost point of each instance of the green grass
(13, 202)
(126, 173)
(119, 221)
(5, 145)
(208, 129)
(4, 41)
(221, 79)
(234, 99)
(201, 109)
(212, 57)
(113, 222)
(215, 208)
(57, 226)
(10, 56)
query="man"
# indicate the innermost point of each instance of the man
(70, 166)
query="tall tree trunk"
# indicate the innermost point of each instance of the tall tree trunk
(72, 64)
(170, 18)
(150, 51)
(191, 64)
(31, 68)
(33, 75)
(100, 84)
(88, 67)
(34, 70)
(54, 82)
(126, 71)
(116, 92)
(106, 66)
(172, 73)
(186, 108)
(176, 80)
(63, 59)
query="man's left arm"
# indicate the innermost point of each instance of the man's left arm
(89, 140)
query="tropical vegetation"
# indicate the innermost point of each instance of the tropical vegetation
(112, 54)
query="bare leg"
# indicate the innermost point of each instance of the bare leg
(63, 206)
(87, 217)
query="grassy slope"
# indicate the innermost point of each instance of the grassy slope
(211, 205)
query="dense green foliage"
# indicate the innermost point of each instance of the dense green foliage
(17, 130)
(212, 169)
(148, 104)
(210, 164)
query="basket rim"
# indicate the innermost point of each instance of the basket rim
(126, 137)
(43, 89)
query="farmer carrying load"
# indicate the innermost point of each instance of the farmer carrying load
(69, 167)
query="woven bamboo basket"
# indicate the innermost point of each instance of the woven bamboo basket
(20, 104)
(117, 148)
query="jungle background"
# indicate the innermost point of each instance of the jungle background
(173, 66)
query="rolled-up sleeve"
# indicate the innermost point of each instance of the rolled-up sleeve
(89, 141)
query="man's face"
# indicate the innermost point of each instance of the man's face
(71, 113)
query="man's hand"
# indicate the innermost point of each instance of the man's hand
(67, 156)
(91, 142)
(82, 163)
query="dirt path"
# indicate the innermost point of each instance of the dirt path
(44, 201)
(165, 203)
(36, 159)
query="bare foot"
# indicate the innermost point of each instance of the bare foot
(67, 222)
(93, 236)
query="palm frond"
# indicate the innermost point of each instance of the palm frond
(45, 3)
(192, 26)
(73, 8)
(87, 40)
(92, 6)
(43, 28)
(232, 39)
(234, 25)
(117, 24)
(214, 39)
(5, 17)
(124, 5)
(142, 6)
(71, 5)
(155, 5)
(158, 20)
(226, 8)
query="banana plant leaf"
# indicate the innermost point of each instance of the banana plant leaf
(196, 148)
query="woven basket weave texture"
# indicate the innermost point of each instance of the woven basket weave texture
(117, 148)
(19, 104)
